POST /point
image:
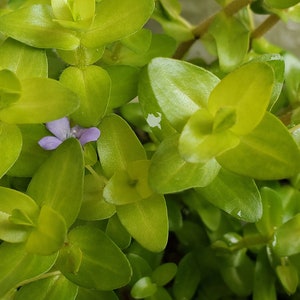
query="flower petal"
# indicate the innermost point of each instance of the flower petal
(60, 128)
(88, 135)
(49, 142)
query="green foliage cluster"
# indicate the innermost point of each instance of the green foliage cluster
(192, 190)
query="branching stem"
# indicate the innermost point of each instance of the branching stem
(265, 26)
(200, 29)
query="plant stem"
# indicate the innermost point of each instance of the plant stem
(202, 28)
(43, 276)
(265, 26)
(250, 241)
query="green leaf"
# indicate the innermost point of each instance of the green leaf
(10, 88)
(210, 215)
(285, 241)
(237, 270)
(93, 206)
(160, 294)
(292, 77)
(140, 267)
(92, 85)
(146, 221)
(234, 194)
(268, 152)
(31, 155)
(13, 213)
(264, 279)
(59, 181)
(179, 88)
(58, 102)
(114, 21)
(103, 265)
(247, 90)
(288, 276)
(50, 233)
(52, 288)
(272, 212)
(129, 186)
(199, 143)
(232, 40)
(139, 41)
(281, 4)
(17, 265)
(117, 232)
(168, 14)
(164, 273)
(187, 278)
(143, 288)
(69, 259)
(81, 56)
(118, 145)
(77, 14)
(124, 80)
(84, 294)
(169, 173)
(33, 25)
(11, 145)
(24, 61)
(161, 45)
(276, 62)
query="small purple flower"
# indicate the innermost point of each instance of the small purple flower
(62, 131)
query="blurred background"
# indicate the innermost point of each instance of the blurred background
(283, 34)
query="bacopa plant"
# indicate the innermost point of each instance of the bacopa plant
(129, 170)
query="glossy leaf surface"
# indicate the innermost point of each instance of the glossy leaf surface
(146, 221)
(93, 206)
(58, 102)
(199, 142)
(118, 145)
(272, 211)
(63, 172)
(129, 186)
(92, 85)
(250, 97)
(276, 154)
(285, 241)
(10, 88)
(179, 88)
(17, 217)
(33, 25)
(31, 155)
(169, 173)
(114, 21)
(17, 265)
(11, 145)
(50, 233)
(52, 288)
(143, 288)
(27, 61)
(103, 265)
(236, 195)
(232, 40)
